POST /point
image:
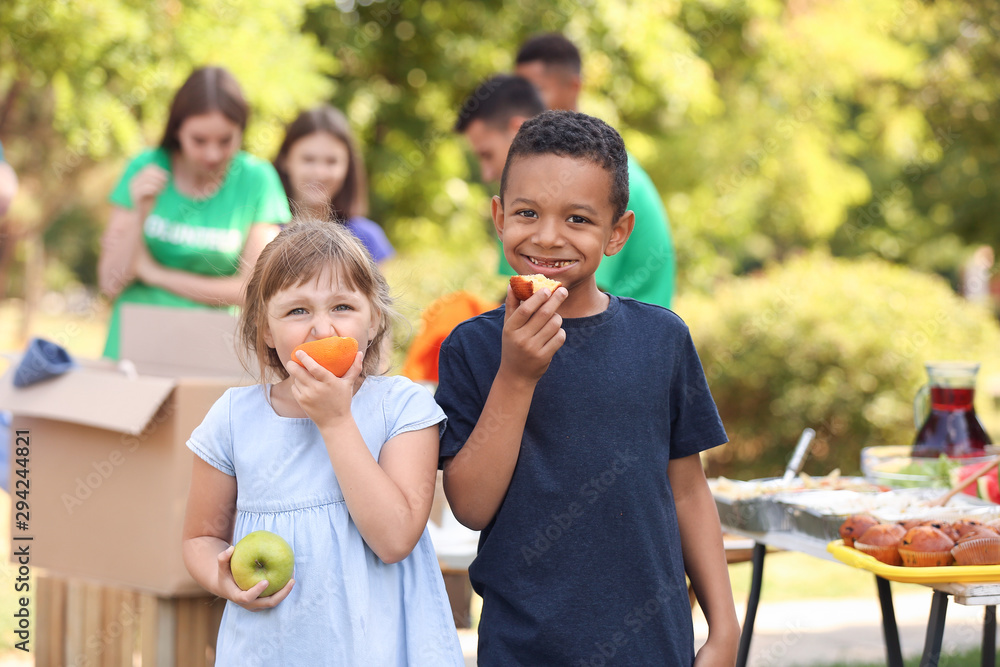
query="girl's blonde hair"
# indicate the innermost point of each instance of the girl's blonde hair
(299, 253)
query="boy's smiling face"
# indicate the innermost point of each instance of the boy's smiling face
(556, 218)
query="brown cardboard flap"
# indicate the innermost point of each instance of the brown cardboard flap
(179, 342)
(93, 394)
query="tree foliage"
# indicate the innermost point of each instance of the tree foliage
(84, 85)
(838, 345)
(863, 125)
(767, 126)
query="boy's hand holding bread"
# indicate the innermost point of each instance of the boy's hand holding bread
(532, 330)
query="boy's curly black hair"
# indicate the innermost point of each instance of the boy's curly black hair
(575, 135)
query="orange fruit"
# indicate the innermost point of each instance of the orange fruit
(524, 286)
(335, 354)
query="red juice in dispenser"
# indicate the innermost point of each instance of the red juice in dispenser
(950, 426)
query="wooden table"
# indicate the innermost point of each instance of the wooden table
(83, 623)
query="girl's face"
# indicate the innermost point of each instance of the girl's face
(208, 142)
(321, 307)
(317, 168)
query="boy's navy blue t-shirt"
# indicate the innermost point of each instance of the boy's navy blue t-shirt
(582, 564)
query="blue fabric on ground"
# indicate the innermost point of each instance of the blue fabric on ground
(42, 360)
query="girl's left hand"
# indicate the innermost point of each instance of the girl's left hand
(323, 396)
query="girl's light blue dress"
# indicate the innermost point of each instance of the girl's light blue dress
(347, 607)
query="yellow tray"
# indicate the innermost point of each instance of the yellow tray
(950, 574)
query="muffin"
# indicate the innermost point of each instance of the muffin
(881, 542)
(926, 546)
(945, 528)
(964, 526)
(855, 526)
(978, 547)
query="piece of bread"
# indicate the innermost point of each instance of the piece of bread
(524, 286)
(335, 354)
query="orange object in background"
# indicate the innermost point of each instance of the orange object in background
(437, 321)
(335, 354)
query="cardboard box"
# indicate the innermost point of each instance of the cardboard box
(108, 468)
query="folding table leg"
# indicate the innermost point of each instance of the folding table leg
(989, 655)
(759, 550)
(893, 654)
(935, 630)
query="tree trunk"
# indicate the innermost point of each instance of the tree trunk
(34, 281)
(8, 241)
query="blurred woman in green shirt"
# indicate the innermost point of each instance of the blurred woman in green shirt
(190, 216)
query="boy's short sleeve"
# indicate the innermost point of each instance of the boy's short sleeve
(695, 424)
(458, 395)
(413, 409)
(212, 440)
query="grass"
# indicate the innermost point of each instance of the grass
(82, 334)
(794, 576)
(970, 658)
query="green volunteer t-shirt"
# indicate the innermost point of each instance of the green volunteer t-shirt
(203, 236)
(645, 268)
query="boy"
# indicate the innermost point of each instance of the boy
(575, 419)
(644, 270)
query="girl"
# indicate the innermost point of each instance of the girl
(342, 468)
(324, 176)
(190, 216)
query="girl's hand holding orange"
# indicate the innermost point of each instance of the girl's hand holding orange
(324, 395)
(335, 354)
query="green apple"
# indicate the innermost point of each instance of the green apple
(262, 555)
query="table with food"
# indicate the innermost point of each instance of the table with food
(927, 513)
(900, 535)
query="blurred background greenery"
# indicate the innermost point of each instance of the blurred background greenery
(828, 168)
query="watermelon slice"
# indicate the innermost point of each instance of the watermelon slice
(986, 487)
(989, 487)
(972, 488)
